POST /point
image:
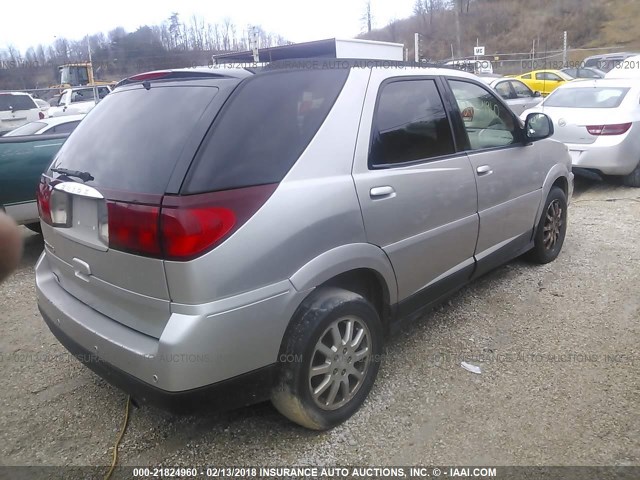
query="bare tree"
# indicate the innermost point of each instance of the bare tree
(367, 18)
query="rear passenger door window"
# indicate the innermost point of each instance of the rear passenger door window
(410, 124)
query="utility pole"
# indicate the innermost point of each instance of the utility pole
(564, 49)
(457, 31)
(533, 54)
(416, 42)
(253, 42)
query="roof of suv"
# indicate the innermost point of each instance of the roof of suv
(240, 71)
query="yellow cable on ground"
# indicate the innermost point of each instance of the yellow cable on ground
(115, 447)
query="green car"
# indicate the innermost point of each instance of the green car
(22, 161)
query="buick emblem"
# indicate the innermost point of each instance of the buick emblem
(562, 122)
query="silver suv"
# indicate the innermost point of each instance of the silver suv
(222, 237)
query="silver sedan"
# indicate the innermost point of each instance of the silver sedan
(599, 121)
(518, 96)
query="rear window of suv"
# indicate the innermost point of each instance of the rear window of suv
(9, 102)
(596, 97)
(134, 138)
(263, 129)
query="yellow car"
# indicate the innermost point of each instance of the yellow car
(544, 81)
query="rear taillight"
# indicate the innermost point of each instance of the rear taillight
(183, 227)
(43, 197)
(186, 232)
(133, 228)
(614, 129)
(41, 115)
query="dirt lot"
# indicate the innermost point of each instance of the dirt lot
(559, 348)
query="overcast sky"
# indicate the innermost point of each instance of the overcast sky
(28, 23)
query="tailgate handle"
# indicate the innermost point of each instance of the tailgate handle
(82, 269)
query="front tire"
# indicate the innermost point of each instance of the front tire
(329, 359)
(552, 228)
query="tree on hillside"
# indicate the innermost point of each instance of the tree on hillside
(367, 18)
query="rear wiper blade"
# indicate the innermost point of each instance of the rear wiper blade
(84, 176)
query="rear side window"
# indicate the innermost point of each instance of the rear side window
(593, 97)
(16, 102)
(64, 127)
(133, 139)
(522, 91)
(504, 90)
(263, 129)
(410, 124)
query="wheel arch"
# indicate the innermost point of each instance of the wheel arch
(362, 268)
(558, 176)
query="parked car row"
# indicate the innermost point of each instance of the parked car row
(390, 187)
(20, 108)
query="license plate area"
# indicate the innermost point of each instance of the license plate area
(80, 218)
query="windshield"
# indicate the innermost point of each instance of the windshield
(134, 137)
(596, 97)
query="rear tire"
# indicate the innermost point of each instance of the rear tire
(329, 359)
(633, 179)
(34, 227)
(552, 228)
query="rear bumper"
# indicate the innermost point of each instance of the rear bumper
(201, 346)
(606, 156)
(245, 389)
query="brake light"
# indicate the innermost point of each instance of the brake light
(149, 76)
(134, 228)
(186, 232)
(614, 129)
(43, 197)
(182, 227)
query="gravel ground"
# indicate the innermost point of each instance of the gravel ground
(558, 345)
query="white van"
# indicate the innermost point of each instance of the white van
(627, 68)
(17, 109)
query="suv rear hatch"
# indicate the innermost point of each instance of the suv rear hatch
(101, 197)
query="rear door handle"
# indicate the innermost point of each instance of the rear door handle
(385, 191)
(484, 170)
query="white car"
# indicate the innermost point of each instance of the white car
(77, 100)
(515, 93)
(64, 124)
(17, 109)
(599, 121)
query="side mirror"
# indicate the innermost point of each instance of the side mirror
(537, 126)
(536, 93)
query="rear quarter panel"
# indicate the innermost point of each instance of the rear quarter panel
(314, 209)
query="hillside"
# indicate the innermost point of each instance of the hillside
(509, 27)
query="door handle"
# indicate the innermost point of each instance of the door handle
(484, 170)
(385, 191)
